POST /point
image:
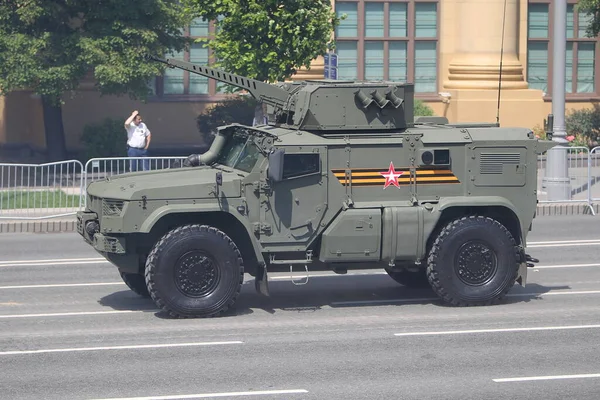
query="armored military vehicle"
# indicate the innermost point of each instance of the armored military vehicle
(341, 177)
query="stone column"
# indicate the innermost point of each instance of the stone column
(476, 63)
(471, 40)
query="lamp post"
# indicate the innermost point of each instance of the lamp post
(557, 169)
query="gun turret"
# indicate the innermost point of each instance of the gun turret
(322, 106)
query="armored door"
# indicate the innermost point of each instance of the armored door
(293, 208)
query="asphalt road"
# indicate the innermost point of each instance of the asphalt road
(70, 329)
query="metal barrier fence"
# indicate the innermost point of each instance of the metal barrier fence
(577, 164)
(40, 191)
(580, 167)
(100, 168)
(594, 174)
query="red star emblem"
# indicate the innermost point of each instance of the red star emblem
(391, 176)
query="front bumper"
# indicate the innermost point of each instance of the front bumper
(88, 227)
(84, 218)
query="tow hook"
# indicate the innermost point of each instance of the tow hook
(531, 261)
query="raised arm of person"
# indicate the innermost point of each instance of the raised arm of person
(130, 119)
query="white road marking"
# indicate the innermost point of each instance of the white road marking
(213, 395)
(55, 260)
(279, 277)
(68, 261)
(546, 378)
(62, 285)
(566, 266)
(142, 346)
(409, 300)
(531, 329)
(558, 293)
(54, 264)
(71, 314)
(563, 243)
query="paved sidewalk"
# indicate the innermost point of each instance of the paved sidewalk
(69, 223)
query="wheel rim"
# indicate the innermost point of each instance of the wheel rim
(476, 263)
(196, 274)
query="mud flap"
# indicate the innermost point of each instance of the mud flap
(522, 273)
(526, 261)
(261, 280)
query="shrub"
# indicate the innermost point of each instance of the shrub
(234, 110)
(422, 109)
(539, 132)
(584, 126)
(105, 139)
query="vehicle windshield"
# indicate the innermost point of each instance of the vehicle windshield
(239, 152)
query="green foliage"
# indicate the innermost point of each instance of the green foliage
(105, 139)
(48, 46)
(45, 199)
(591, 8)
(238, 109)
(584, 126)
(539, 132)
(267, 40)
(422, 109)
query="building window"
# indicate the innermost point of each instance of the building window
(389, 40)
(177, 84)
(581, 67)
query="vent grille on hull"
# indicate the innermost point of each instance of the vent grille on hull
(491, 163)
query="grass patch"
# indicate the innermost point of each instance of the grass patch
(31, 199)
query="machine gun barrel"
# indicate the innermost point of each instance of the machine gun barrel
(261, 91)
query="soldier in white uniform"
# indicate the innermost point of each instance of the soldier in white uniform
(138, 140)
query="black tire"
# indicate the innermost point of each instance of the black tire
(473, 262)
(412, 279)
(136, 282)
(194, 271)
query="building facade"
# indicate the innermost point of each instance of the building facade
(450, 50)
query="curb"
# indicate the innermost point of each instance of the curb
(70, 225)
(38, 226)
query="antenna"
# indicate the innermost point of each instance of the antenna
(500, 76)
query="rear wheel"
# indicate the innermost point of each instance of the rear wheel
(473, 261)
(135, 282)
(408, 278)
(194, 271)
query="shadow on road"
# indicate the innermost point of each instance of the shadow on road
(349, 291)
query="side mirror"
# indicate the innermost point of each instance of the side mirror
(275, 169)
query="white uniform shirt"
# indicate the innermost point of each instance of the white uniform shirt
(137, 134)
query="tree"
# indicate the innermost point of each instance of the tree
(267, 40)
(592, 8)
(49, 46)
(238, 109)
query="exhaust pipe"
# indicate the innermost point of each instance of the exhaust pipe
(211, 154)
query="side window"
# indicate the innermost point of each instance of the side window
(295, 165)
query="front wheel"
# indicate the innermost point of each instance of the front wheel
(473, 261)
(135, 282)
(408, 278)
(194, 271)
